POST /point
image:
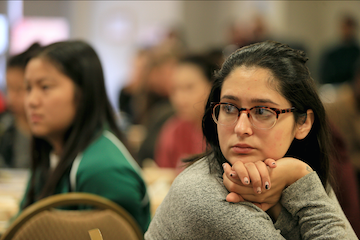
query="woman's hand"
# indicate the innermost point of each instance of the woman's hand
(254, 185)
(256, 173)
(287, 171)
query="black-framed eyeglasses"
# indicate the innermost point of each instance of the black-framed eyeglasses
(261, 117)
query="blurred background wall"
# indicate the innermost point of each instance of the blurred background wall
(117, 29)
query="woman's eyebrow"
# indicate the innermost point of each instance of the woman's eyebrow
(230, 97)
(253, 100)
(39, 80)
(43, 80)
(262, 100)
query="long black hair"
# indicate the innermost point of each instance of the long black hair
(294, 82)
(78, 61)
(20, 60)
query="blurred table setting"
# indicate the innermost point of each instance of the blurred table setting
(13, 184)
(158, 181)
(12, 187)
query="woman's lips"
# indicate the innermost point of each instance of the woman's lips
(242, 148)
(34, 118)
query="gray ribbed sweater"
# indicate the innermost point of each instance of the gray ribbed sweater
(195, 208)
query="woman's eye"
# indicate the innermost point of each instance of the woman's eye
(229, 109)
(45, 87)
(263, 112)
(260, 111)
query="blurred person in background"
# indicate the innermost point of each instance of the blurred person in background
(3, 103)
(154, 92)
(242, 33)
(181, 135)
(216, 55)
(173, 41)
(76, 145)
(144, 101)
(139, 70)
(337, 63)
(15, 130)
(152, 69)
(344, 112)
(152, 104)
(259, 30)
(256, 29)
(347, 191)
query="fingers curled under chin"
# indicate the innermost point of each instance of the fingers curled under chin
(234, 198)
(242, 172)
(270, 162)
(264, 174)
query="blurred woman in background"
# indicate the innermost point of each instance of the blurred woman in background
(76, 144)
(15, 131)
(181, 135)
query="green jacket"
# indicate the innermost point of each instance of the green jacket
(107, 169)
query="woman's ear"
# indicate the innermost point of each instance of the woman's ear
(303, 129)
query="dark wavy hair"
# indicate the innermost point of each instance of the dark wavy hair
(294, 82)
(78, 61)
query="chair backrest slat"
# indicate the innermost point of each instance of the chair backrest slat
(95, 234)
(42, 221)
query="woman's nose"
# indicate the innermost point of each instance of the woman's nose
(32, 99)
(243, 125)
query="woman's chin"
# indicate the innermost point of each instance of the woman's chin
(38, 133)
(244, 159)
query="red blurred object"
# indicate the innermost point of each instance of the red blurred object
(2, 103)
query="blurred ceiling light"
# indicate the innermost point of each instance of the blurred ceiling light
(117, 27)
(4, 38)
(15, 11)
(44, 30)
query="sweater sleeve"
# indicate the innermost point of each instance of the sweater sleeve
(310, 213)
(195, 208)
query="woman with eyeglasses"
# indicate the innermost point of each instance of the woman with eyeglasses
(263, 111)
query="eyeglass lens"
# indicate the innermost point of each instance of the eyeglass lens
(227, 114)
